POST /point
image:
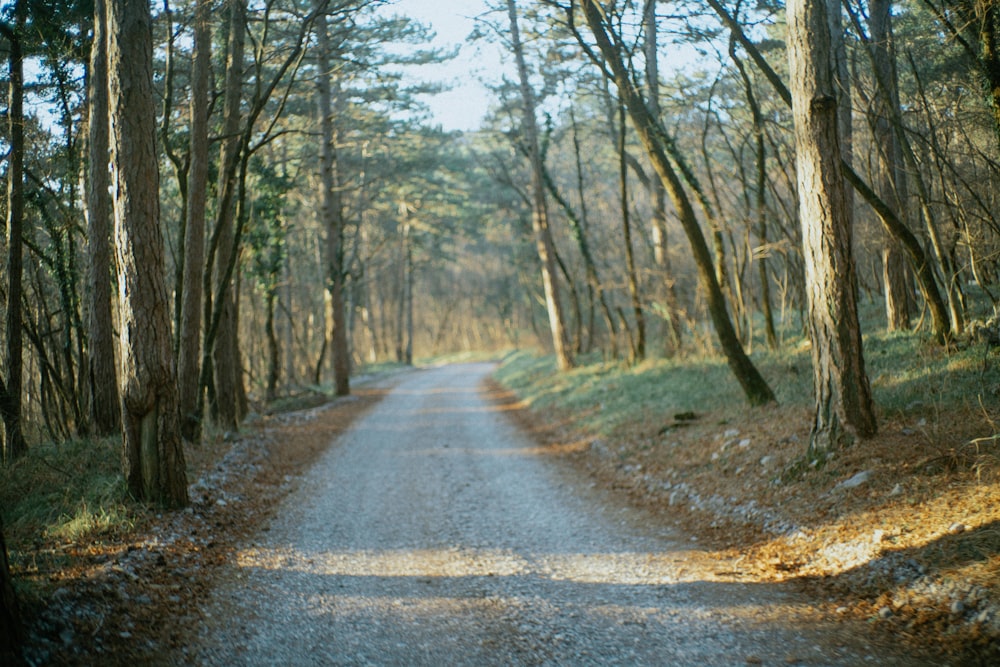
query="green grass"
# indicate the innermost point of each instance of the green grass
(66, 491)
(909, 375)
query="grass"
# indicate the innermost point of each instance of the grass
(69, 492)
(909, 376)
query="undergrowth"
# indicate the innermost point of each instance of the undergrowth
(67, 491)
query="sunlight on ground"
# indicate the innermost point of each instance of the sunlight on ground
(618, 569)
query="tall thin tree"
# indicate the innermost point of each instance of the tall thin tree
(10, 390)
(105, 409)
(332, 211)
(189, 349)
(540, 217)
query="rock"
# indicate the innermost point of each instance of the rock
(885, 612)
(896, 490)
(957, 528)
(861, 478)
(957, 608)
(766, 461)
(744, 443)
(730, 433)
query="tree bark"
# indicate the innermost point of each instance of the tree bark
(540, 217)
(843, 403)
(652, 136)
(192, 294)
(105, 410)
(14, 445)
(153, 458)
(332, 211)
(891, 175)
(226, 373)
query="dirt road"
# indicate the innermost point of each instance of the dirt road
(435, 533)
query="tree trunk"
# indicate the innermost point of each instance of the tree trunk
(653, 137)
(919, 260)
(540, 218)
(891, 175)
(105, 410)
(14, 445)
(760, 198)
(223, 348)
(10, 616)
(333, 217)
(273, 347)
(639, 349)
(192, 295)
(153, 458)
(672, 331)
(843, 396)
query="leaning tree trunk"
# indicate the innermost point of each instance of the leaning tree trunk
(105, 410)
(653, 137)
(842, 393)
(540, 217)
(153, 458)
(10, 391)
(189, 336)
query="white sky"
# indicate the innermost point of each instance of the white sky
(463, 107)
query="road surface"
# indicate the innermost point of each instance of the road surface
(435, 533)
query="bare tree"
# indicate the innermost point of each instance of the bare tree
(655, 139)
(153, 458)
(843, 404)
(540, 218)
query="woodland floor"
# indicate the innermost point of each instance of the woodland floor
(915, 547)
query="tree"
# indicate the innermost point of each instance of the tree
(153, 458)
(222, 335)
(891, 173)
(105, 410)
(843, 403)
(921, 263)
(655, 140)
(540, 218)
(11, 388)
(192, 294)
(332, 211)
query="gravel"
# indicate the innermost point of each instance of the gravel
(435, 533)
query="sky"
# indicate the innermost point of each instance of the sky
(463, 107)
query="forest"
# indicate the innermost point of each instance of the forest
(213, 205)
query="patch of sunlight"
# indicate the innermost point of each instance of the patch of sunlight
(618, 569)
(86, 521)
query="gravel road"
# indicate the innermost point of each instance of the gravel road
(435, 533)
